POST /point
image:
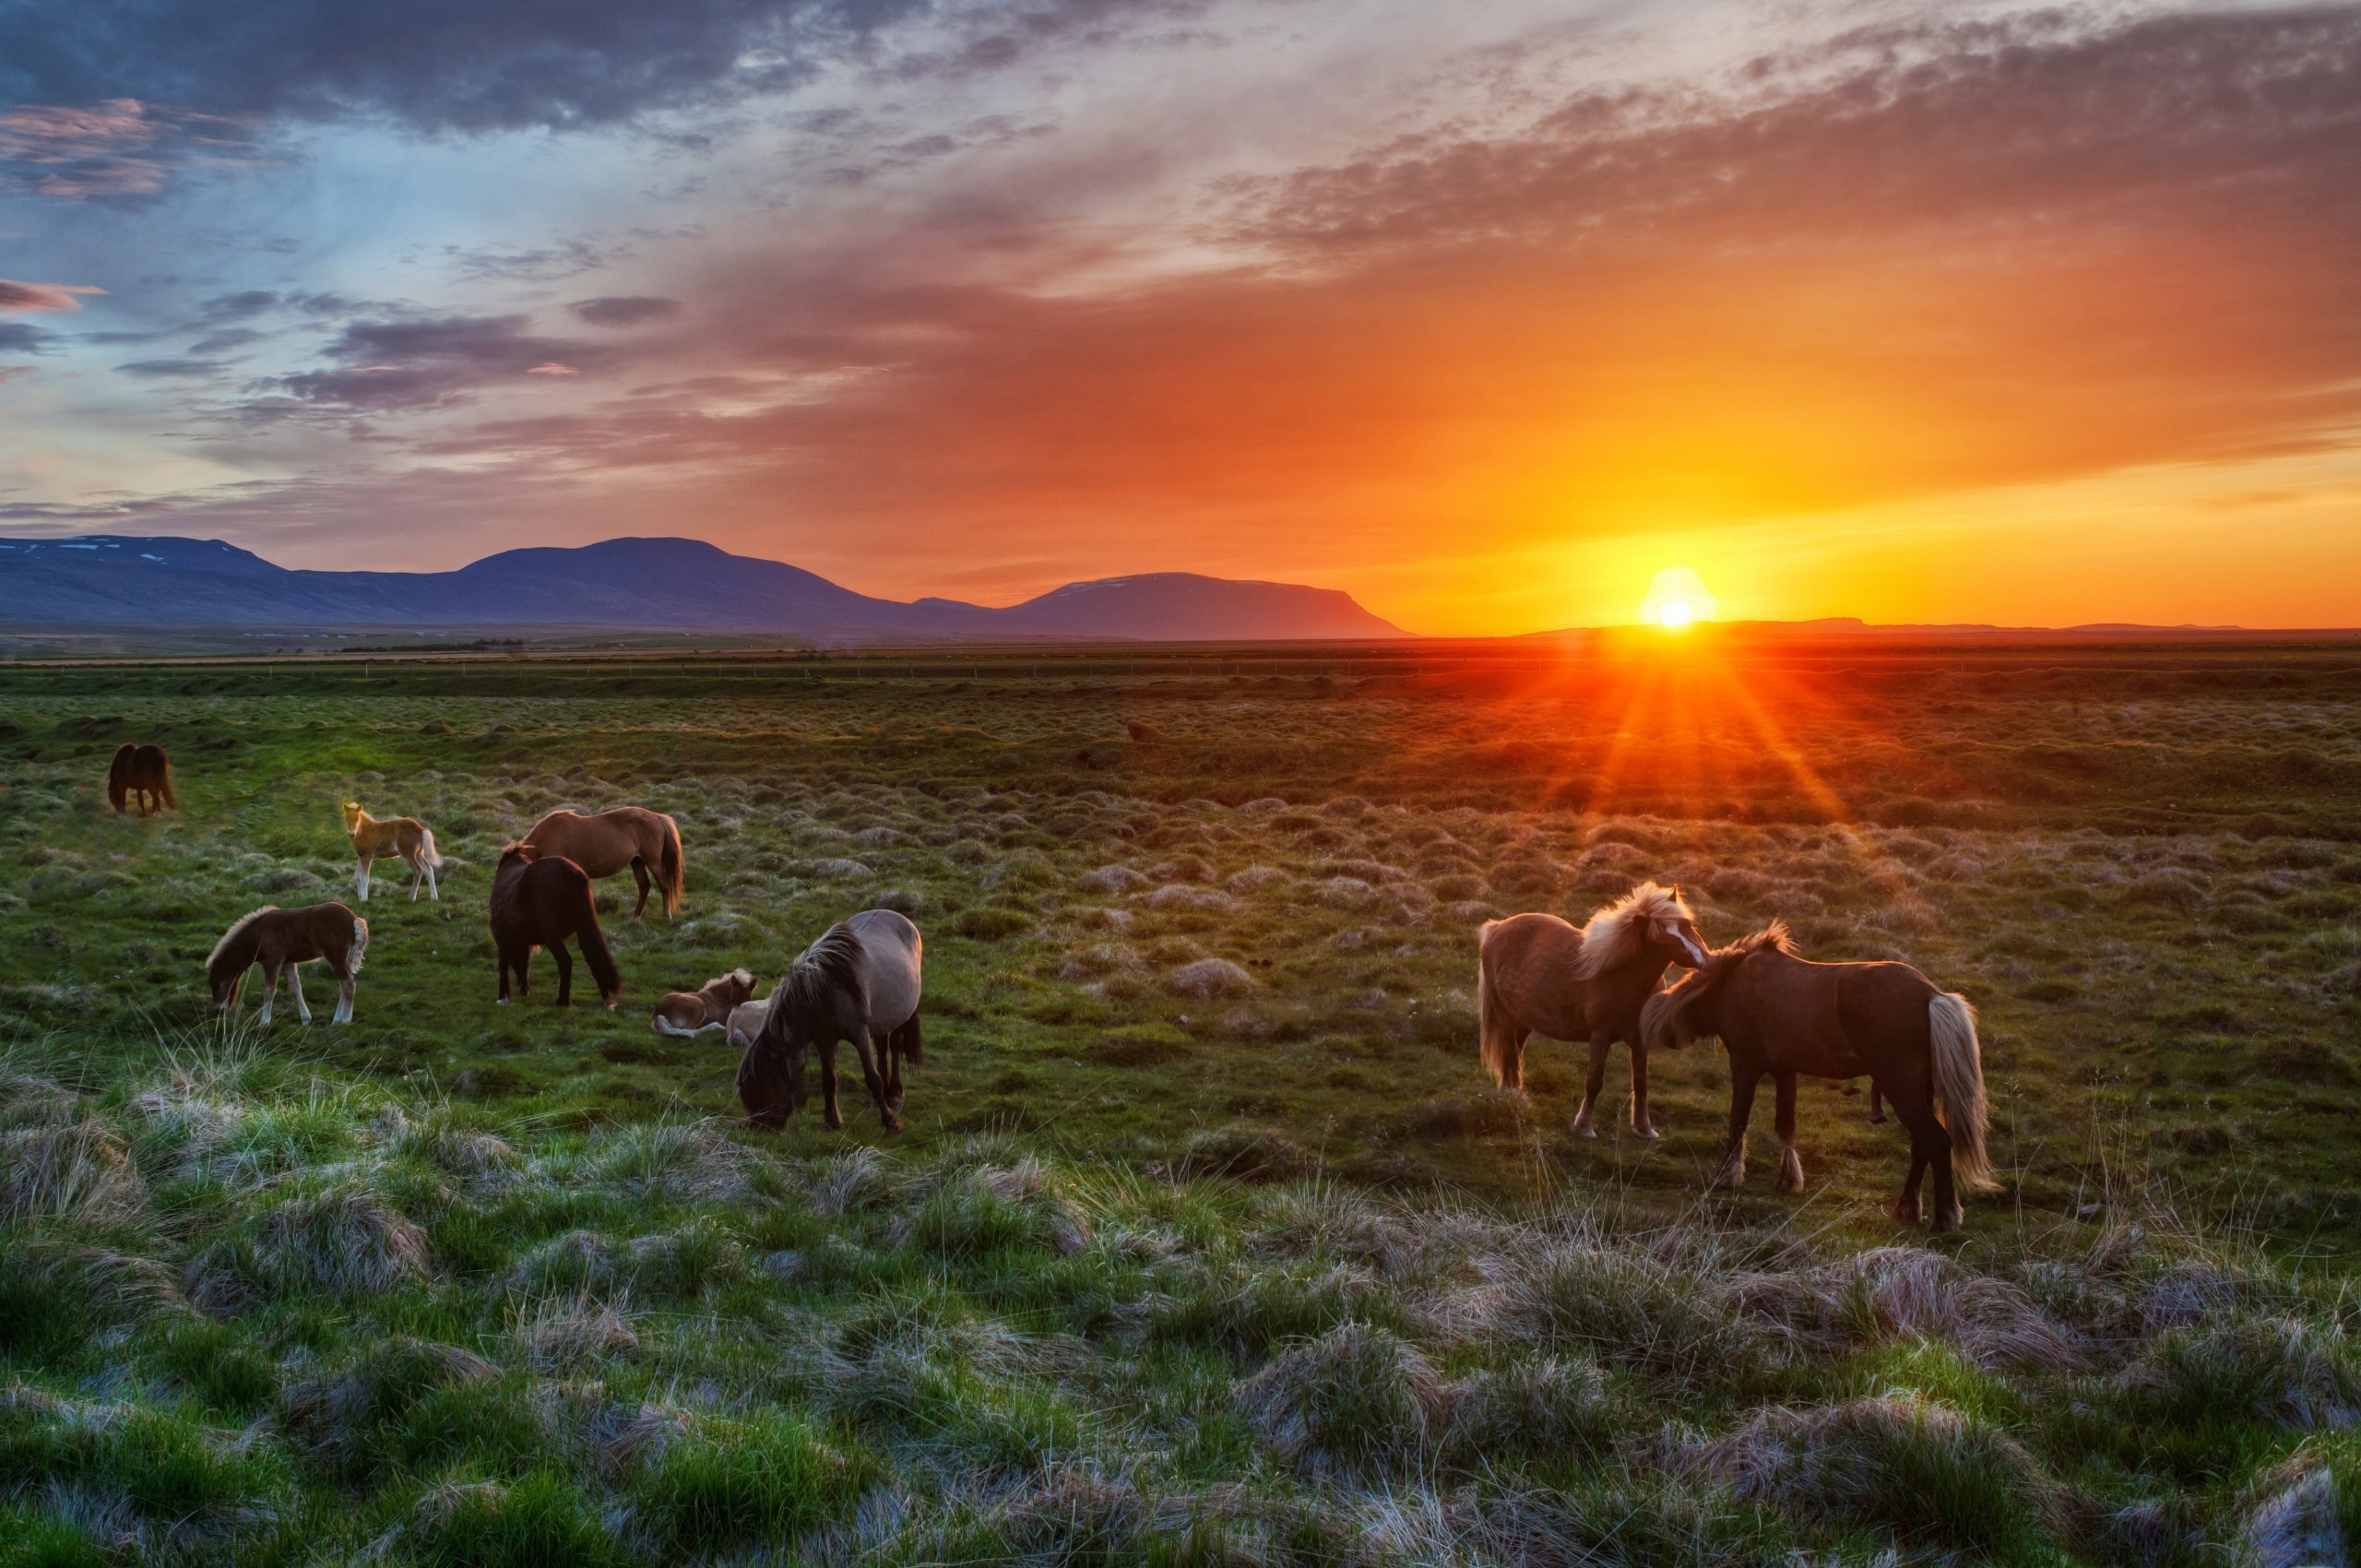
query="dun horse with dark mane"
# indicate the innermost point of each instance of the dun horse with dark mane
(145, 772)
(860, 982)
(538, 901)
(1778, 1014)
(280, 939)
(648, 842)
(1536, 974)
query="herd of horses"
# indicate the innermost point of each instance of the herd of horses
(1776, 1015)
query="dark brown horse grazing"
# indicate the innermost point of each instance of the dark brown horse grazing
(144, 771)
(538, 901)
(1535, 974)
(279, 940)
(860, 981)
(1779, 1014)
(648, 842)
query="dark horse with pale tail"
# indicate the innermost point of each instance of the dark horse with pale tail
(1780, 1014)
(1535, 974)
(860, 982)
(648, 842)
(145, 772)
(538, 901)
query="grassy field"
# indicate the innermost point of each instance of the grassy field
(1208, 1241)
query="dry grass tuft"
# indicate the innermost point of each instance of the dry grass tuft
(347, 1240)
(1889, 1292)
(1925, 1473)
(33, 1102)
(1359, 1400)
(77, 1172)
(2294, 1523)
(690, 1162)
(567, 1336)
(1208, 978)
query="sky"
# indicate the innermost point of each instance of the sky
(1486, 311)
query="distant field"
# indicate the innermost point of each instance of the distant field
(2143, 865)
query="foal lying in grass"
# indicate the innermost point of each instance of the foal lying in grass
(707, 1007)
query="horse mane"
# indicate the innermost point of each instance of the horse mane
(1613, 934)
(829, 964)
(226, 951)
(1775, 937)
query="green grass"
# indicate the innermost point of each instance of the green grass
(1208, 1243)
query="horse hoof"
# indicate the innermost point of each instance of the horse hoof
(1905, 1213)
(1650, 1134)
(1945, 1220)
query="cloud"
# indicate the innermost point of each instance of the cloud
(624, 309)
(14, 371)
(112, 149)
(429, 363)
(23, 337)
(172, 368)
(43, 296)
(496, 64)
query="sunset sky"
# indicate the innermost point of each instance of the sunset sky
(1484, 310)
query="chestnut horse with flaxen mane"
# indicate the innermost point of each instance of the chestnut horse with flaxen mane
(648, 842)
(280, 939)
(1778, 1013)
(143, 771)
(1536, 974)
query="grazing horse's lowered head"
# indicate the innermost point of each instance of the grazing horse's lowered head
(1536, 974)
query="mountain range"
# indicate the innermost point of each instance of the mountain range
(640, 583)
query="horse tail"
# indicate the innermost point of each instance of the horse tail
(164, 782)
(1496, 1032)
(668, 869)
(595, 953)
(909, 1042)
(1959, 1085)
(427, 852)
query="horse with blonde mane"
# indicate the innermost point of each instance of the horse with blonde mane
(384, 839)
(280, 939)
(1780, 1014)
(1536, 974)
(648, 842)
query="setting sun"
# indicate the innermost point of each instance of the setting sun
(1676, 597)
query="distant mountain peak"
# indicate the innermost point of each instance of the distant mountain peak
(642, 582)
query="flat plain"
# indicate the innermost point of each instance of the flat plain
(1208, 1239)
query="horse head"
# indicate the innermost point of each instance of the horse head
(1671, 926)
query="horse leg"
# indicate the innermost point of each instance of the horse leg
(832, 1116)
(1791, 1164)
(564, 972)
(866, 1048)
(1918, 1116)
(639, 872)
(417, 877)
(1743, 1078)
(893, 1067)
(525, 969)
(363, 883)
(269, 992)
(431, 890)
(1599, 1046)
(1640, 1122)
(295, 984)
(346, 981)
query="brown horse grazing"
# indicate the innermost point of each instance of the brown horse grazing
(860, 982)
(280, 939)
(648, 842)
(1778, 1014)
(1535, 974)
(383, 838)
(538, 901)
(707, 1007)
(144, 771)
